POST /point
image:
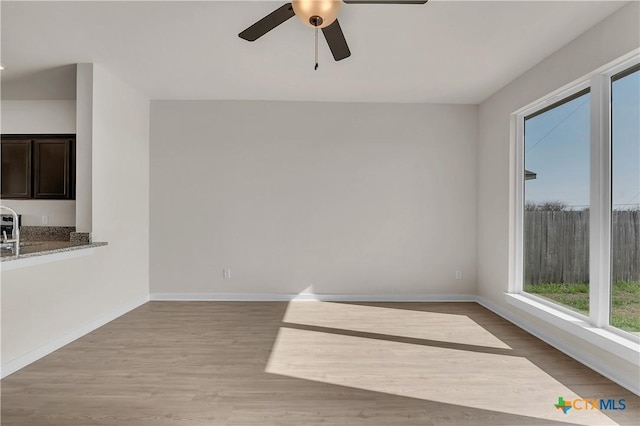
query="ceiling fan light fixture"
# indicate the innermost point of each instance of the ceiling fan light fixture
(317, 13)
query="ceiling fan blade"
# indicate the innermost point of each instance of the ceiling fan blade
(268, 23)
(385, 1)
(336, 41)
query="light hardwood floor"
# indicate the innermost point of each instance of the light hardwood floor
(307, 363)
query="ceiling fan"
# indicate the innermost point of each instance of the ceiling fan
(321, 14)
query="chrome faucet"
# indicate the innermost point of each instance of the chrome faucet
(15, 232)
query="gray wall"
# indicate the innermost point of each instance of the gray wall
(347, 198)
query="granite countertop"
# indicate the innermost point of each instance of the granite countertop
(41, 248)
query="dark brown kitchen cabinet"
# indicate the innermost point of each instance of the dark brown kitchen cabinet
(16, 168)
(51, 168)
(47, 173)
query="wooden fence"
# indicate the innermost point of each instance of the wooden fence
(556, 246)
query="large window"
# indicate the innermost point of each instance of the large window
(578, 214)
(556, 202)
(625, 197)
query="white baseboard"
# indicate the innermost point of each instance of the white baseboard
(285, 297)
(606, 369)
(22, 361)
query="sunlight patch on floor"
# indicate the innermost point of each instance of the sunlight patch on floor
(438, 326)
(501, 383)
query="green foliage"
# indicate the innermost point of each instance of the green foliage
(547, 206)
(625, 322)
(553, 288)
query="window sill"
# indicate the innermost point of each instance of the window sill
(627, 348)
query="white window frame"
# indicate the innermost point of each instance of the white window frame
(599, 83)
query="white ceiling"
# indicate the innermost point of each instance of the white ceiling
(444, 51)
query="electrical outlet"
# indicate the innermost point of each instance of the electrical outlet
(226, 273)
(45, 220)
(458, 275)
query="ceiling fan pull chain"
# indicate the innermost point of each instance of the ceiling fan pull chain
(316, 68)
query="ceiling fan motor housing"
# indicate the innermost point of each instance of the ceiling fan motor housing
(317, 13)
